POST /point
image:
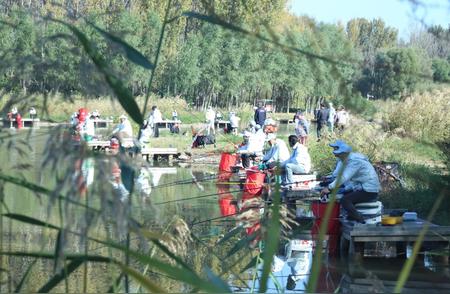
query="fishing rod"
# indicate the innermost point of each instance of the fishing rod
(197, 197)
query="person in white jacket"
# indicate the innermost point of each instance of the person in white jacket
(298, 163)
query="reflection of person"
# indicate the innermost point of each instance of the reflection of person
(123, 129)
(299, 162)
(297, 254)
(357, 170)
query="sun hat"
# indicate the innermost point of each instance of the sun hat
(123, 116)
(341, 146)
(270, 122)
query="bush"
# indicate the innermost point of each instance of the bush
(422, 117)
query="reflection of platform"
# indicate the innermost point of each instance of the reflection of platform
(157, 172)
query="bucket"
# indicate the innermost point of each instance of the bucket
(334, 225)
(254, 181)
(227, 160)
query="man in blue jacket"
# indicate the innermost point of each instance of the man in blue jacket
(260, 115)
(353, 168)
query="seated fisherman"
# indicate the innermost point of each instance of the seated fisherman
(356, 169)
(123, 129)
(277, 153)
(298, 163)
(251, 147)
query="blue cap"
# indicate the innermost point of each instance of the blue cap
(341, 146)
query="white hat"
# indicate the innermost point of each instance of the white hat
(246, 134)
(270, 122)
(270, 137)
(123, 116)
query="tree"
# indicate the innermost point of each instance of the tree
(441, 70)
(397, 72)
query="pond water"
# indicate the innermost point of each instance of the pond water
(185, 203)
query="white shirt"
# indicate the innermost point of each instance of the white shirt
(278, 152)
(157, 115)
(342, 117)
(210, 115)
(124, 127)
(300, 156)
(234, 121)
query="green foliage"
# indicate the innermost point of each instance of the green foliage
(397, 72)
(441, 70)
(422, 117)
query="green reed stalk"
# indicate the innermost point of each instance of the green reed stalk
(61, 219)
(86, 244)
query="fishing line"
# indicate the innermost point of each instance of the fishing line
(201, 196)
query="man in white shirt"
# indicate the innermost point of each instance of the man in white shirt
(251, 148)
(277, 153)
(123, 129)
(234, 122)
(298, 163)
(210, 118)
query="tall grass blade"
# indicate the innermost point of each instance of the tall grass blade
(116, 284)
(25, 277)
(47, 255)
(123, 93)
(217, 281)
(143, 280)
(243, 243)
(272, 238)
(58, 248)
(29, 220)
(132, 54)
(54, 281)
(230, 234)
(251, 264)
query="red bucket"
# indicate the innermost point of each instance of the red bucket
(227, 160)
(334, 226)
(254, 182)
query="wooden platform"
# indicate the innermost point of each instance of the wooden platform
(102, 123)
(221, 124)
(165, 124)
(157, 153)
(408, 231)
(26, 123)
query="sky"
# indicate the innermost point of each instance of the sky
(396, 13)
